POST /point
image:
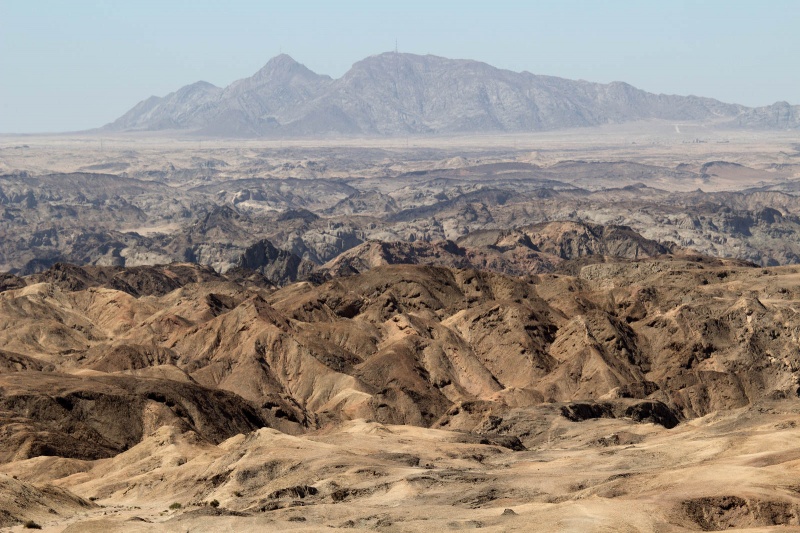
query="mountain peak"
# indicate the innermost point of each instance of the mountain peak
(281, 65)
(198, 87)
(281, 60)
(404, 57)
(202, 85)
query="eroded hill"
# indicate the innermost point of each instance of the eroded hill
(93, 370)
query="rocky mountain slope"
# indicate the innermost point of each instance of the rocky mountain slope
(400, 94)
(137, 388)
(398, 344)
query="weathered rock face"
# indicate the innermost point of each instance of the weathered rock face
(95, 417)
(403, 93)
(528, 250)
(136, 281)
(570, 240)
(10, 281)
(278, 266)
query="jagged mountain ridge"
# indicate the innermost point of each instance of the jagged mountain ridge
(397, 94)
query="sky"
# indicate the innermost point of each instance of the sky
(79, 64)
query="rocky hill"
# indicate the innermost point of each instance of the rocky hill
(400, 94)
(125, 391)
(402, 344)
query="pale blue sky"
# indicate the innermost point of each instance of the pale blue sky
(70, 65)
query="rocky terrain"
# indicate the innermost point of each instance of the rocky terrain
(256, 337)
(125, 391)
(295, 212)
(400, 94)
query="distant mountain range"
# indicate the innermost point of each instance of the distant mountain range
(401, 94)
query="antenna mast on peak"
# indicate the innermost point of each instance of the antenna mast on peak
(395, 45)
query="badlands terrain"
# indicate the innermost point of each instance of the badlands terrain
(591, 330)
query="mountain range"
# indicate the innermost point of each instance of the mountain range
(400, 94)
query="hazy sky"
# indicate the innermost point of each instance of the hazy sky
(70, 65)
